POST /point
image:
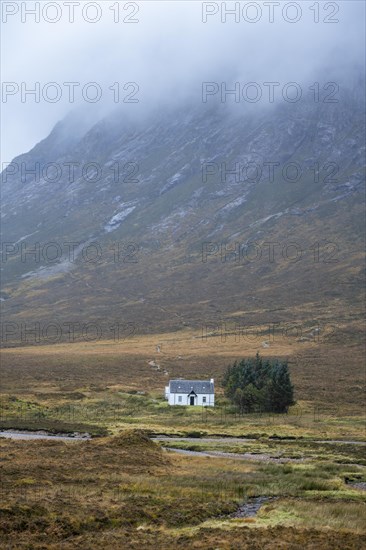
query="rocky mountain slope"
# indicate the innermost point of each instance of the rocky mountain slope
(196, 217)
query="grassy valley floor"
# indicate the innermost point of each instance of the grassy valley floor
(120, 489)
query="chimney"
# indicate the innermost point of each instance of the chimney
(212, 380)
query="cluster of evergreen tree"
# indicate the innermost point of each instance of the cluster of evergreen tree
(258, 385)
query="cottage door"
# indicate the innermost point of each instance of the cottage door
(191, 400)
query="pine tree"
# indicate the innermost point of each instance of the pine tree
(257, 385)
(281, 389)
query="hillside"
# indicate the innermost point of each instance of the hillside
(142, 238)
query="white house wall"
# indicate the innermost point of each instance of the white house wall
(173, 399)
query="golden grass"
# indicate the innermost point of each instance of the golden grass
(111, 493)
(342, 515)
(125, 491)
(226, 342)
(92, 380)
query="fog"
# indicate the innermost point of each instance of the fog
(167, 53)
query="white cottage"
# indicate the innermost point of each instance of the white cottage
(191, 392)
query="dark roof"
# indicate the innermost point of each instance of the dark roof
(186, 386)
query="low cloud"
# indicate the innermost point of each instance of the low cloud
(167, 53)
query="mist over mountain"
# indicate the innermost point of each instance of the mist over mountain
(182, 274)
(217, 176)
(168, 49)
(191, 216)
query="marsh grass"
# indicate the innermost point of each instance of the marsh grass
(127, 492)
(341, 515)
(298, 449)
(67, 490)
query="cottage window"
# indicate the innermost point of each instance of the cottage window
(179, 399)
(203, 399)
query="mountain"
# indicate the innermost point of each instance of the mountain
(150, 207)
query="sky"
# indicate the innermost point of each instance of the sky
(150, 54)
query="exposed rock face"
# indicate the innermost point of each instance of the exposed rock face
(189, 218)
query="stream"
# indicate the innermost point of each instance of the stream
(42, 434)
(12, 434)
(243, 440)
(238, 456)
(265, 457)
